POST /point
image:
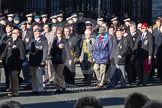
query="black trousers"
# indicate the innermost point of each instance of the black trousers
(159, 67)
(7, 76)
(142, 76)
(134, 73)
(87, 71)
(139, 69)
(69, 76)
(128, 69)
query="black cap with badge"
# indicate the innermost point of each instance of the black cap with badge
(38, 30)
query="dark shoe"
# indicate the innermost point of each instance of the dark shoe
(144, 84)
(122, 87)
(35, 93)
(71, 82)
(139, 83)
(8, 90)
(99, 86)
(28, 87)
(110, 87)
(58, 91)
(5, 90)
(21, 80)
(88, 83)
(13, 94)
(51, 82)
(63, 90)
(129, 83)
(84, 80)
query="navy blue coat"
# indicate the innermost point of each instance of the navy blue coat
(38, 51)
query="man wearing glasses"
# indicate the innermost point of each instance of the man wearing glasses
(143, 50)
(15, 54)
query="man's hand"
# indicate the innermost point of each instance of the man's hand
(61, 46)
(80, 60)
(119, 56)
(93, 60)
(75, 60)
(42, 64)
(70, 62)
(0, 61)
(149, 60)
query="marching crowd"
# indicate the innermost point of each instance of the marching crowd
(46, 50)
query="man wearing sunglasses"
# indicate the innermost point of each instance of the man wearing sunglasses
(15, 54)
(143, 50)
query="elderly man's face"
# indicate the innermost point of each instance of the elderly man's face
(67, 32)
(15, 33)
(132, 29)
(143, 29)
(119, 34)
(111, 31)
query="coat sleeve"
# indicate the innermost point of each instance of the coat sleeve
(77, 48)
(90, 45)
(130, 42)
(94, 49)
(82, 54)
(110, 45)
(22, 50)
(45, 50)
(4, 54)
(124, 45)
(29, 46)
(67, 50)
(136, 43)
(150, 45)
(1, 39)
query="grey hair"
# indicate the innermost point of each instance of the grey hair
(133, 25)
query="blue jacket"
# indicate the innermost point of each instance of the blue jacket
(102, 49)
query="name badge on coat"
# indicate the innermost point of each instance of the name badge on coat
(14, 46)
(70, 43)
(146, 42)
(27, 40)
(38, 47)
(120, 46)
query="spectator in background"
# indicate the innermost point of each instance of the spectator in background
(88, 102)
(10, 18)
(53, 19)
(136, 100)
(50, 35)
(2, 26)
(29, 18)
(153, 104)
(11, 104)
(16, 23)
(139, 27)
(150, 29)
